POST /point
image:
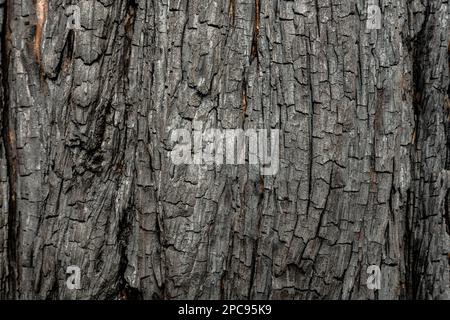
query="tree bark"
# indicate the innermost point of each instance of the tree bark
(86, 177)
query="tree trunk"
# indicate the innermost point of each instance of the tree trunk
(87, 180)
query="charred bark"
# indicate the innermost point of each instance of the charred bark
(86, 177)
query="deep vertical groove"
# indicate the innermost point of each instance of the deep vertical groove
(232, 11)
(8, 139)
(311, 129)
(419, 53)
(260, 212)
(254, 51)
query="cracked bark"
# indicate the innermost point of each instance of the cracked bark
(86, 178)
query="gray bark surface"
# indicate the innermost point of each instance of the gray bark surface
(86, 178)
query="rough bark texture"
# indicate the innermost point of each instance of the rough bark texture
(86, 178)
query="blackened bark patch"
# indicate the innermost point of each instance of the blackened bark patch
(130, 19)
(9, 144)
(256, 28)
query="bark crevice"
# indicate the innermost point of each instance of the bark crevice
(8, 139)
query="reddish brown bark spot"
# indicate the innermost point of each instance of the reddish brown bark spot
(41, 16)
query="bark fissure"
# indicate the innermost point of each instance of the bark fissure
(8, 139)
